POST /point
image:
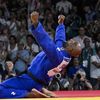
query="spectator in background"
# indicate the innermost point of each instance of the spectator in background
(3, 6)
(90, 15)
(9, 71)
(22, 6)
(22, 34)
(77, 77)
(12, 5)
(32, 46)
(96, 26)
(22, 59)
(90, 31)
(95, 68)
(3, 54)
(59, 82)
(2, 18)
(33, 5)
(64, 81)
(5, 35)
(81, 36)
(85, 56)
(48, 4)
(80, 81)
(54, 84)
(49, 23)
(74, 68)
(96, 41)
(64, 5)
(13, 25)
(23, 23)
(28, 23)
(12, 48)
(73, 21)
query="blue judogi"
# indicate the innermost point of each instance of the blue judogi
(51, 56)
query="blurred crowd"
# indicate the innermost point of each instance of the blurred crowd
(18, 47)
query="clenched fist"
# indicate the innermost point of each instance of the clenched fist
(61, 19)
(34, 18)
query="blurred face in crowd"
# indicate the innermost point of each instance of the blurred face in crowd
(22, 31)
(20, 46)
(86, 8)
(50, 17)
(81, 31)
(75, 62)
(6, 31)
(87, 42)
(12, 40)
(29, 40)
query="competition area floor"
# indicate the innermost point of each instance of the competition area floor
(84, 98)
(70, 95)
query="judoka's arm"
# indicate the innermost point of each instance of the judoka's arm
(46, 43)
(60, 37)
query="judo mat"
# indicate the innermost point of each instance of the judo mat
(88, 93)
(70, 95)
(88, 98)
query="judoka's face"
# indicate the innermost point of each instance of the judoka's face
(73, 48)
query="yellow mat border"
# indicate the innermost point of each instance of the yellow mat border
(76, 98)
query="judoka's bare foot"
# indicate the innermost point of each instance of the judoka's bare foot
(48, 93)
(39, 94)
(61, 19)
(35, 18)
(36, 94)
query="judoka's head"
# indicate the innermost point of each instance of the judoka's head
(73, 48)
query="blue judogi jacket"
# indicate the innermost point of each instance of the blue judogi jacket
(51, 57)
(52, 54)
